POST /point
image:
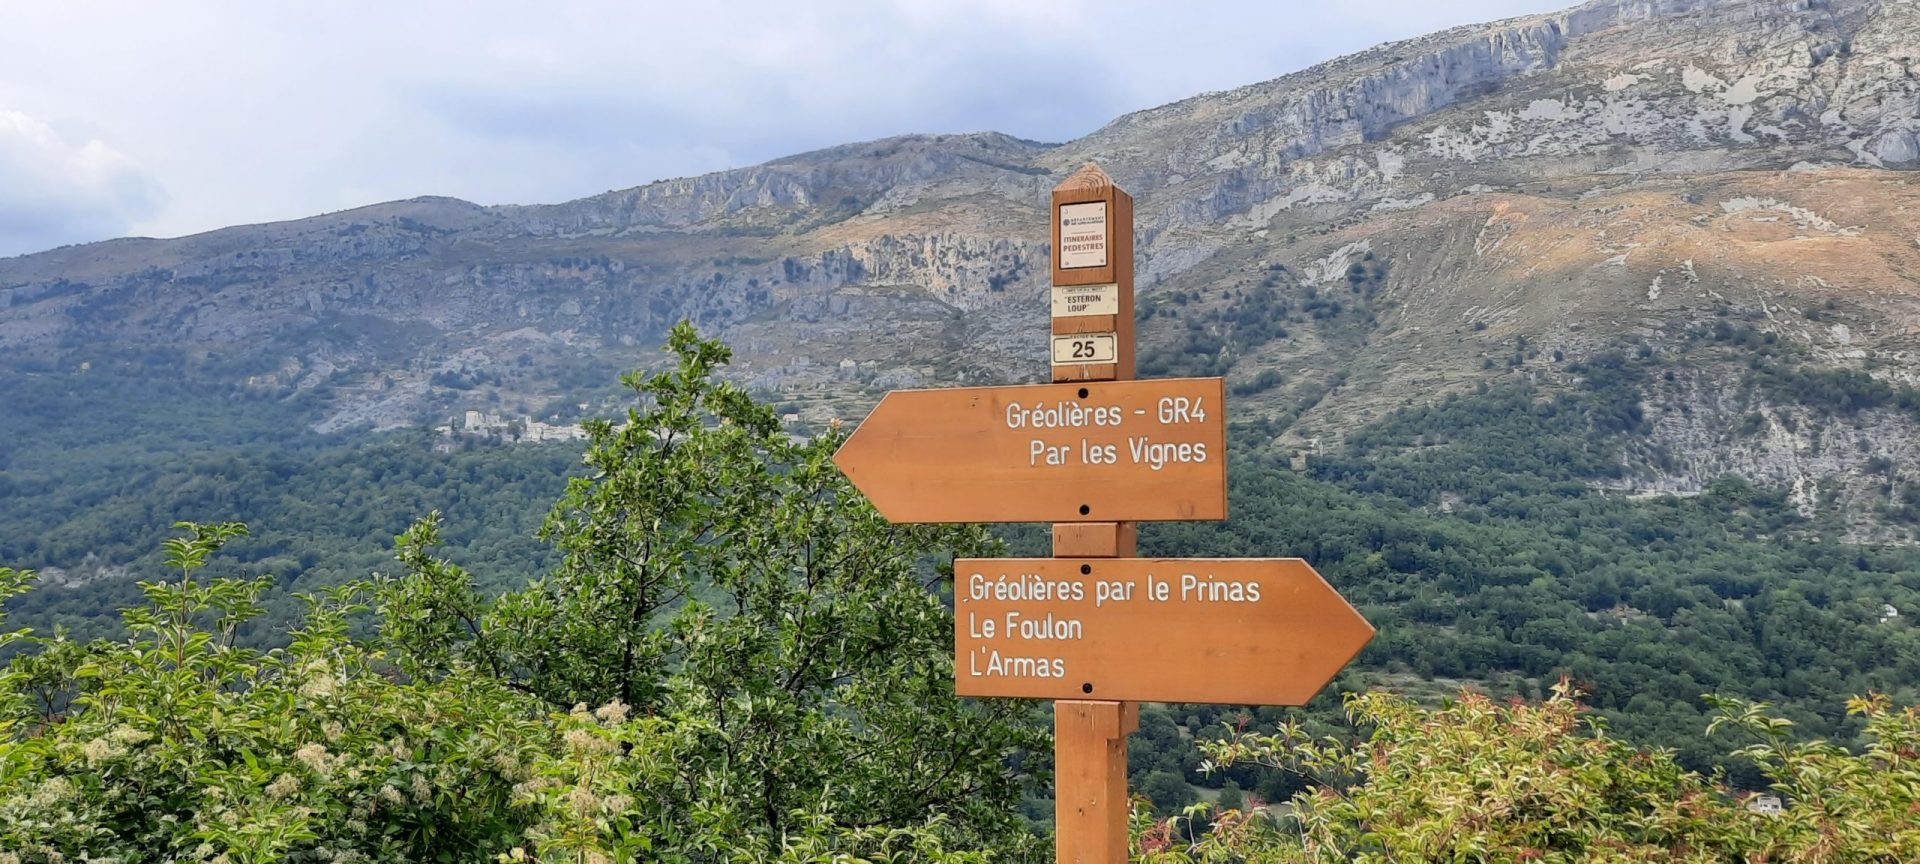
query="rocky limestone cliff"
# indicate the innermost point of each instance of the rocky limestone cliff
(1622, 170)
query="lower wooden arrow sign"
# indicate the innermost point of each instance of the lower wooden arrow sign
(1242, 631)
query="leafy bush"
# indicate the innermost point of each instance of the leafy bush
(1262, 381)
(1477, 780)
(1842, 392)
(178, 745)
(736, 660)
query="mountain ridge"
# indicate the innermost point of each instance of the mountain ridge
(1377, 230)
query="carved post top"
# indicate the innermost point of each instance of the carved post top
(1089, 178)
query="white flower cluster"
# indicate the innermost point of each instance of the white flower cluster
(613, 713)
(316, 758)
(283, 786)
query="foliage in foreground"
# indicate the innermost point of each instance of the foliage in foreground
(736, 660)
(1471, 533)
(1472, 530)
(1482, 781)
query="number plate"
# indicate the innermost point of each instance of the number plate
(1077, 348)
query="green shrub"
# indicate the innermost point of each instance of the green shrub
(1484, 781)
(737, 659)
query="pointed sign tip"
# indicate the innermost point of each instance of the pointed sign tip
(1151, 629)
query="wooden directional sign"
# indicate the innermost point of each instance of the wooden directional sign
(1095, 630)
(1108, 450)
(1249, 631)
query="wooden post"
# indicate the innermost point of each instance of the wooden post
(945, 456)
(1090, 807)
(1046, 452)
(1092, 279)
(1092, 340)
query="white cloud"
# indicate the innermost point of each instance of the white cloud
(251, 112)
(55, 191)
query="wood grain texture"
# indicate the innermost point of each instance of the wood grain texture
(1095, 539)
(1090, 795)
(962, 454)
(1090, 780)
(1091, 805)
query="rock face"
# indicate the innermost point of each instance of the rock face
(1626, 169)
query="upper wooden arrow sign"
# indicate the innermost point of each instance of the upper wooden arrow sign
(1250, 631)
(1094, 451)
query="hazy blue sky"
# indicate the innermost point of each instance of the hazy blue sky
(170, 118)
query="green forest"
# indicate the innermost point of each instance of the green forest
(1468, 531)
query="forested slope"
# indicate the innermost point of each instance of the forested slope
(1474, 532)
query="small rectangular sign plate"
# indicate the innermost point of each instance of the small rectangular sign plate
(1074, 300)
(1083, 235)
(1076, 348)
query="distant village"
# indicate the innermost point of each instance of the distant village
(523, 428)
(526, 429)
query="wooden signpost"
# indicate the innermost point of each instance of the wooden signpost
(1094, 628)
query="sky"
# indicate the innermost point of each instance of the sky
(164, 119)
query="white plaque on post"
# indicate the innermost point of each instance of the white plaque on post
(1074, 300)
(1083, 235)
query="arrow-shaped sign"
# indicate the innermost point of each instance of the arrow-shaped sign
(1094, 451)
(1238, 631)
